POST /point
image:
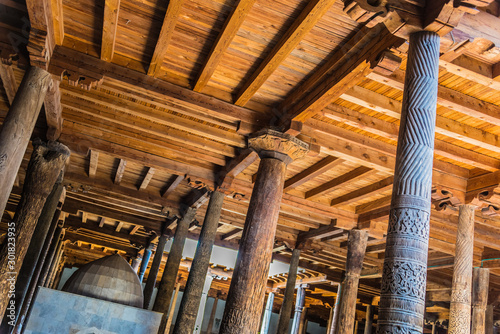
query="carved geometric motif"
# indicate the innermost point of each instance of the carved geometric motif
(409, 221)
(406, 279)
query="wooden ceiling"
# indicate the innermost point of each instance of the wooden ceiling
(157, 98)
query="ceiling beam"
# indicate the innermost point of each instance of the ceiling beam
(93, 162)
(109, 27)
(314, 10)
(237, 165)
(58, 21)
(310, 173)
(337, 182)
(120, 171)
(41, 42)
(226, 36)
(147, 178)
(75, 237)
(8, 81)
(166, 32)
(177, 179)
(370, 190)
(53, 110)
(318, 233)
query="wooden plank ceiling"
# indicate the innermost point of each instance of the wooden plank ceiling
(157, 101)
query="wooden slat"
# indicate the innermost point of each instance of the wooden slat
(94, 160)
(338, 181)
(231, 26)
(147, 178)
(119, 171)
(315, 170)
(307, 19)
(8, 81)
(53, 111)
(109, 27)
(58, 21)
(364, 192)
(172, 186)
(167, 29)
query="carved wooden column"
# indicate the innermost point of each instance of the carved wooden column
(168, 279)
(369, 319)
(17, 128)
(155, 266)
(286, 306)
(402, 301)
(246, 294)
(480, 299)
(266, 319)
(199, 268)
(460, 307)
(299, 307)
(145, 261)
(46, 163)
(356, 246)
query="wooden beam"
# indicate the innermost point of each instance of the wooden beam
(94, 157)
(231, 27)
(109, 27)
(318, 233)
(315, 170)
(338, 181)
(75, 237)
(147, 178)
(236, 166)
(233, 234)
(53, 111)
(8, 81)
(119, 226)
(58, 21)
(134, 229)
(119, 171)
(102, 221)
(307, 19)
(370, 190)
(173, 185)
(41, 37)
(167, 29)
(467, 70)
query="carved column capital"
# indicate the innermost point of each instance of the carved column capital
(446, 200)
(274, 144)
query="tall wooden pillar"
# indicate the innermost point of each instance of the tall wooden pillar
(171, 311)
(369, 320)
(286, 306)
(17, 128)
(47, 161)
(169, 277)
(212, 315)
(489, 321)
(153, 271)
(266, 319)
(480, 299)
(144, 263)
(460, 307)
(51, 255)
(356, 246)
(402, 300)
(299, 307)
(199, 268)
(335, 312)
(247, 291)
(201, 307)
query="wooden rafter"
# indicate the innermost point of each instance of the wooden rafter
(364, 192)
(119, 171)
(167, 29)
(147, 178)
(53, 111)
(301, 26)
(8, 81)
(231, 26)
(338, 181)
(109, 28)
(315, 170)
(173, 185)
(94, 156)
(58, 21)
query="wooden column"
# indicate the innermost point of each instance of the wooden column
(171, 311)
(369, 319)
(402, 301)
(489, 321)
(16, 131)
(460, 307)
(153, 271)
(199, 268)
(169, 276)
(136, 262)
(356, 246)
(247, 290)
(303, 321)
(55, 265)
(299, 307)
(212, 316)
(266, 319)
(335, 312)
(144, 263)
(286, 306)
(480, 287)
(201, 307)
(44, 167)
(51, 255)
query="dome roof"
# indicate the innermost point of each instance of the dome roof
(110, 278)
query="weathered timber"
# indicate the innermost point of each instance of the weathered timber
(53, 110)
(369, 320)
(299, 309)
(47, 161)
(480, 285)
(169, 276)
(153, 271)
(194, 287)
(247, 290)
(286, 306)
(356, 248)
(402, 302)
(18, 126)
(460, 307)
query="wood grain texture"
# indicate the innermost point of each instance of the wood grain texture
(286, 306)
(110, 25)
(480, 287)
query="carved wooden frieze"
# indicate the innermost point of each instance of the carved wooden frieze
(274, 144)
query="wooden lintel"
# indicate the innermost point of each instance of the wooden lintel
(109, 27)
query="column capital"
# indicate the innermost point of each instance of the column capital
(274, 144)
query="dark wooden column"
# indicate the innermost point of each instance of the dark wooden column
(17, 128)
(155, 266)
(44, 167)
(51, 255)
(369, 319)
(402, 301)
(460, 307)
(169, 277)
(299, 307)
(199, 268)
(247, 290)
(356, 246)
(286, 306)
(480, 287)
(145, 261)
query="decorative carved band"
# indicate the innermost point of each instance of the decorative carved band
(402, 302)
(274, 144)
